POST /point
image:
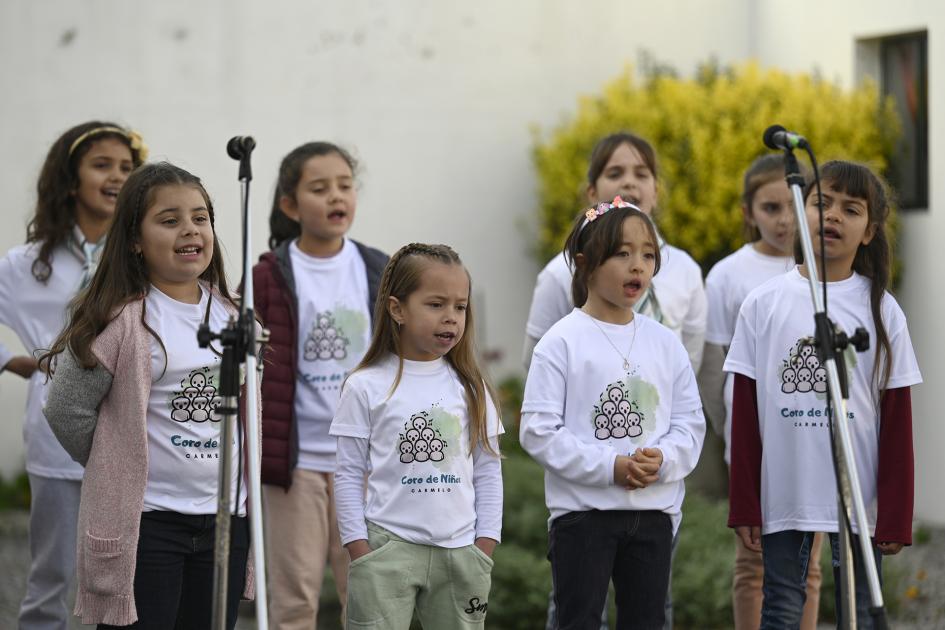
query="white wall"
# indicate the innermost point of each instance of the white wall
(436, 98)
(810, 34)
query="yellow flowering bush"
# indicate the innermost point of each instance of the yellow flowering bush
(706, 131)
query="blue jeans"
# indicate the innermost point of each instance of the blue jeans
(588, 549)
(785, 555)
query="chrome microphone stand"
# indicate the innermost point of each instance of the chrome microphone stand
(240, 345)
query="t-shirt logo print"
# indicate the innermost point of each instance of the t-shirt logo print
(802, 371)
(421, 441)
(326, 341)
(616, 416)
(197, 400)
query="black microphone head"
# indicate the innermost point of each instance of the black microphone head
(768, 137)
(234, 148)
(238, 146)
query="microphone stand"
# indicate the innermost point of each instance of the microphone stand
(240, 343)
(831, 342)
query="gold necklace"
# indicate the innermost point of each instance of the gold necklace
(626, 358)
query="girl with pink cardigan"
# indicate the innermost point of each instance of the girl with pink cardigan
(133, 399)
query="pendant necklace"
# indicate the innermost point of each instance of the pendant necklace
(626, 357)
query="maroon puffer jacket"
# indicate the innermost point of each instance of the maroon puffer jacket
(276, 303)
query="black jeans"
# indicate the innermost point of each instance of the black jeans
(174, 571)
(587, 549)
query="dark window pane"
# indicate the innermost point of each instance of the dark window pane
(904, 66)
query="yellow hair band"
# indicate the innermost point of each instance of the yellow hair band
(135, 141)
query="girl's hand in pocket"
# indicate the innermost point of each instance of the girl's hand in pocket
(358, 548)
(487, 545)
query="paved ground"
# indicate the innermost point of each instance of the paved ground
(921, 581)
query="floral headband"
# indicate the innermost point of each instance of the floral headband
(135, 141)
(601, 208)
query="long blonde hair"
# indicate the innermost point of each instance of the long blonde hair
(401, 277)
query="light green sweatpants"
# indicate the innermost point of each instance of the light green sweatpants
(448, 587)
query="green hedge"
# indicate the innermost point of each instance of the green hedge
(15, 493)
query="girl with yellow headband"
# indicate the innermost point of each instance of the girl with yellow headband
(76, 193)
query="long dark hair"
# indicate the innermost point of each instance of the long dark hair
(54, 216)
(401, 277)
(121, 276)
(872, 260)
(282, 227)
(598, 240)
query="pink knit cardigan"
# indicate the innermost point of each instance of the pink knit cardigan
(115, 477)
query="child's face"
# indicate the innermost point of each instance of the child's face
(102, 172)
(176, 239)
(433, 317)
(626, 174)
(622, 279)
(847, 225)
(325, 198)
(772, 212)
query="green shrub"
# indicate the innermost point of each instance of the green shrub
(15, 494)
(702, 569)
(510, 393)
(706, 131)
(521, 581)
(525, 517)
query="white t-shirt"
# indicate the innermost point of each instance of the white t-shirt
(183, 427)
(798, 490)
(582, 409)
(5, 355)
(551, 299)
(420, 482)
(37, 312)
(680, 299)
(334, 333)
(728, 284)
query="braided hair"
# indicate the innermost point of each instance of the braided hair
(400, 279)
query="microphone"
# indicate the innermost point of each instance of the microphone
(777, 137)
(240, 146)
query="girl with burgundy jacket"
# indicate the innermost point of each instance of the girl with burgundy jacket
(315, 291)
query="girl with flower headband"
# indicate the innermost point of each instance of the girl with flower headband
(612, 412)
(625, 164)
(76, 194)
